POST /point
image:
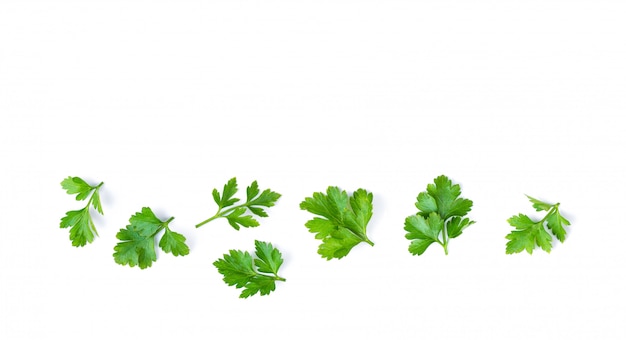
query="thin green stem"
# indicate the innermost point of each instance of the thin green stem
(221, 213)
(94, 191)
(89, 202)
(217, 215)
(162, 226)
(275, 276)
(553, 209)
(92, 195)
(445, 239)
(225, 212)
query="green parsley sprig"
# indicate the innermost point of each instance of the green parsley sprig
(82, 228)
(235, 214)
(344, 220)
(258, 275)
(136, 246)
(440, 217)
(528, 233)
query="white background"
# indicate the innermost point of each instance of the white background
(166, 100)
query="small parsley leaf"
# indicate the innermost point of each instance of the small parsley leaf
(258, 275)
(82, 228)
(226, 200)
(440, 217)
(173, 243)
(235, 214)
(539, 205)
(529, 233)
(137, 240)
(344, 220)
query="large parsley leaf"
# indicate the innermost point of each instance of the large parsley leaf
(82, 228)
(236, 214)
(440, 217)
(136, 246)
(443, 197)
(528, 233)
(258, 275)
(344, 221)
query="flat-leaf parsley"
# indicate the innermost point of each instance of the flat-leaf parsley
(258, 275)
(82, 228)
(236, 214)
(136, 246)
(343, 221)
(440, 217)
(529, 233)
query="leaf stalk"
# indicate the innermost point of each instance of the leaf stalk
(221, 213)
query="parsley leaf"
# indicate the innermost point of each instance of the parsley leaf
(82, 228)
(255, 200)
(137, 240)
(528, 233)
(242, 271)
(440, 217)
(344, 221)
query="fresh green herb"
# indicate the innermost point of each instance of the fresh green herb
(82, 228)
(440, 217)
(345, 220)
(137, 240)
(529, 233)
(254, 275)
(255, 200)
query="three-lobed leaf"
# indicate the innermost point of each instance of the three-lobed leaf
(174, 243)
(456, 225)
(258, 284)
(556, 223)
(82, 228)
(226, 199)
(242, 271)
(443, 197)
(268, 259)
(528, 233)
(76, 185)
(267, 198)
(237, 219)
(343, 221)
(135, 249)
(422, 231)
(237, 268)
(137, 240)
(339, 244)
(361, 205)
